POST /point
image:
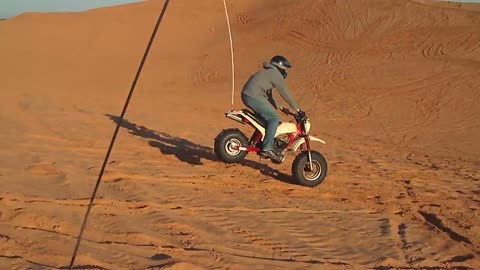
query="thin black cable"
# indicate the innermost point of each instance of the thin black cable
(116, 131)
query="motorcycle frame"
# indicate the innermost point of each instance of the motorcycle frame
(257, 136)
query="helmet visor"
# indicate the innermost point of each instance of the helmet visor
(286, 64)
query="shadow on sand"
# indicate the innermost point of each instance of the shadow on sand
(189, 152)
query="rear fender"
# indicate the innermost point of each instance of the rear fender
(238, 115)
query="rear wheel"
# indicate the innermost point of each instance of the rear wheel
(227, 143)
(305, 175)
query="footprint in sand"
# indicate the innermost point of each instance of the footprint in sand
(44, 169)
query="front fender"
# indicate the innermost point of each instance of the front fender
(301, 141)
(312, 138)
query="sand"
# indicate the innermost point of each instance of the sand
(392, 86)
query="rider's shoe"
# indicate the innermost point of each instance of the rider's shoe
(270, 154)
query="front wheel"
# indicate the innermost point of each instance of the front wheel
(227, 143)
(305, 175)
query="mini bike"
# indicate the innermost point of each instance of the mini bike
(309, 167)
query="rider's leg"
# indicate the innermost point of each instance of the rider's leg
(266, 110)
(273, 120)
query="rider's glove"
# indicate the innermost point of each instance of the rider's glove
(301, 114)
(284, 110)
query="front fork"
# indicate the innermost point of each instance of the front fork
(307, 144)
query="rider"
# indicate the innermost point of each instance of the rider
(257, 95)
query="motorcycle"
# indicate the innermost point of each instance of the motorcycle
(309, 167)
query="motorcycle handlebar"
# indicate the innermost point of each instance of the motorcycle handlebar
(286, 111)
(297, 116)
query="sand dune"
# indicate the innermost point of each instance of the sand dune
(393, 86)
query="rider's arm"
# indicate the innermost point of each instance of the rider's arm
(272, 99)
(279, 83)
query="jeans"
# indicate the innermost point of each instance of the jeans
(267, 112)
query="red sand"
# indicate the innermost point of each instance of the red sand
(393, 86)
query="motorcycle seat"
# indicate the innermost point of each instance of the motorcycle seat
(256, 117)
